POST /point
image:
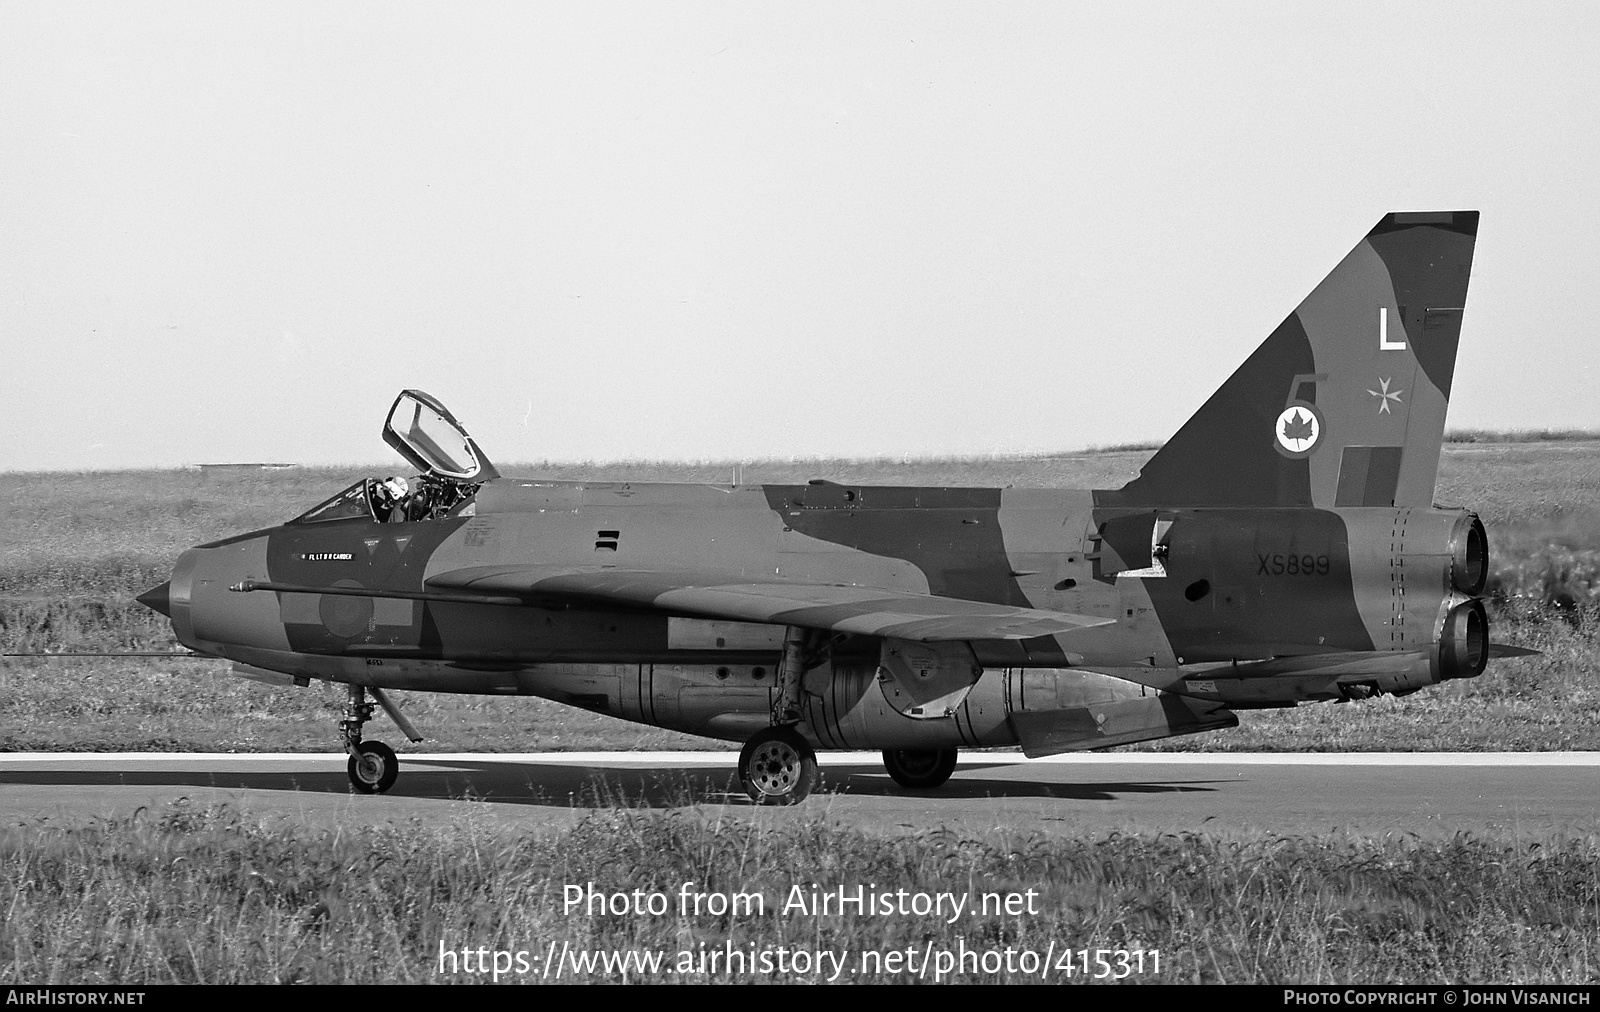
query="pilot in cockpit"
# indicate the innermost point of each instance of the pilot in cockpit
(426, 501)
(389, 500)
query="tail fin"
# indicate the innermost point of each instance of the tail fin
(1344, 404)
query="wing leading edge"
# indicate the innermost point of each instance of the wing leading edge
(870, 611)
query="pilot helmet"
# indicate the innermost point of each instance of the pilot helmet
(399, 488)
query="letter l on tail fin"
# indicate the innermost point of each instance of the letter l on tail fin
(1344, 404)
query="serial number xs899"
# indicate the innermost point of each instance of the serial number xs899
(1278, 564)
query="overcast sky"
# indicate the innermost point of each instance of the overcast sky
(671, 230)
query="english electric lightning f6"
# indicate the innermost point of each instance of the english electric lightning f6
(1283, 547)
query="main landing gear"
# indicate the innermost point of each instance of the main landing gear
(777, 767)
(373, 766)
(920, 769)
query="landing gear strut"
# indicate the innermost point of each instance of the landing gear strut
(373, 766)
(777, 767)
(920, 769)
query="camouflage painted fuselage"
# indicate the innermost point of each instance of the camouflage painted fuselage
(1257, 607)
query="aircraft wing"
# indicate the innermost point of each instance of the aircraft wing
(870, 611)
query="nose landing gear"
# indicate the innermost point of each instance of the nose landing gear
(373, 766)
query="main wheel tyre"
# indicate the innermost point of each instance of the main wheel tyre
(374, 768)
(920, 769)
(777, 767)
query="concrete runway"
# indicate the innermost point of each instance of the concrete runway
(1511, 795)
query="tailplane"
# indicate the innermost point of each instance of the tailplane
(1344, 404)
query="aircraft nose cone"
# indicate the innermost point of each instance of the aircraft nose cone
(158, 599)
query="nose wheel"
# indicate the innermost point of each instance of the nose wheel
(373, 768)
(777, 767)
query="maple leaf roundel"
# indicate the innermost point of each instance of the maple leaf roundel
(1298, 429)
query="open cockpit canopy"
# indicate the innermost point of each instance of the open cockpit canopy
(425, 433)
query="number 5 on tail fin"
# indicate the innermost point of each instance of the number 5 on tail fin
(1344, 404)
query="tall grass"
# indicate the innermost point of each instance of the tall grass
(214, 897)
(115, 622)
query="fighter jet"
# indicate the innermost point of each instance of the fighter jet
(1283, 547)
